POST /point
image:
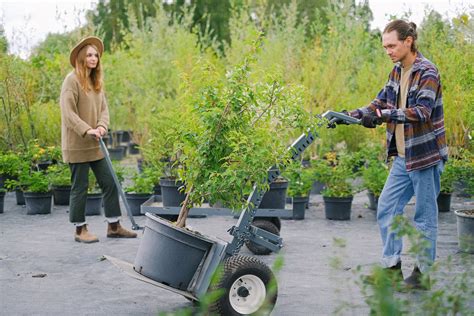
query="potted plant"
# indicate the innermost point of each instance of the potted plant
(60, 177)
(300, 182)
(336, 171)
(465, 226)
(231, 131)
(41, 157)
(138, 192)
(374, 175)
(161, 152)
(450, 175)
(464, 162)
(36, 189)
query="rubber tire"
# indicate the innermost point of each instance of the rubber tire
(274, 220)
(269, 227)
(235, 267)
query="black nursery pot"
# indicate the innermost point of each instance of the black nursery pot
(170, 194)
(61, 194)
(444, 202)
(275, 197)
(338, 208)
(299, 207)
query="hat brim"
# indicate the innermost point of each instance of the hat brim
(91, 40)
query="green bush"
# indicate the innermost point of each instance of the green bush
(300, 179)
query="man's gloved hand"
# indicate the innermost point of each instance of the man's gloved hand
(371, 120)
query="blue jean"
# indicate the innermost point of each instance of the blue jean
(397, 192)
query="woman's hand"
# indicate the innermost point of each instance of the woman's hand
(94, 133)
(102, 131)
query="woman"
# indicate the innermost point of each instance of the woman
(84, 119)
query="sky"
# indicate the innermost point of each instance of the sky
(27, 22)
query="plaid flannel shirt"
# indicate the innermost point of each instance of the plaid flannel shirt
(423, 118)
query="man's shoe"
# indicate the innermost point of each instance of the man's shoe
(115, 230)
(418, 281)
(83, 235)
(392, 274)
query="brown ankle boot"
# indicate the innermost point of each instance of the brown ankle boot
(115, 230)
(83, 235)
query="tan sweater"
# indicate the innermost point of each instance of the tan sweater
(79, 113)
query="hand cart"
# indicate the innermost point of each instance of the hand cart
(185, 262)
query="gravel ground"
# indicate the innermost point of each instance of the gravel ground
(44, 272)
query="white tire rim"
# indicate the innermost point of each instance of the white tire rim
(247, 294)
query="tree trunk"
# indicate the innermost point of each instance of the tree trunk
(183, 213)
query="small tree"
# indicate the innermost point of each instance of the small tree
(235, 130)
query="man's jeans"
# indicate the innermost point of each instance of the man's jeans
(398, 190)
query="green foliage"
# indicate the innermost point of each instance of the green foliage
(59, 174)
(374, 169)
(464, 168)
(93, 187)
(30, 181)
(374, 175)
(300, 179)
(335, 171)
(451, 290)
(235, 130)
(449, 176)
(141, 183)
(11, 164)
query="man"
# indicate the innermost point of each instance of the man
(411, 105)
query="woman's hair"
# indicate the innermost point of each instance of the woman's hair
(404, 29)
(82, 71)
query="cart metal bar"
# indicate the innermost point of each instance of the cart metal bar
(242, 231)
(117, 184)
(128, 269)
(153, 205)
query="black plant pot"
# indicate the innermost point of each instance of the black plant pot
(299, 207)
(20, 197)
(444, 202)
(126, 136)
(93, 204)
(275, 197)
(38, 203)
(373, 201)
(2, 201)
(157, 189)
(170, 255)
(61, 194)
(135, 200)
(170, 194)
(44, 165)
(116, 153)
(338, 208)
(133, 149)
(124, 149)
(117, 135)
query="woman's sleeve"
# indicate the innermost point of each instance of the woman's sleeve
(104, 114)
(68, 102)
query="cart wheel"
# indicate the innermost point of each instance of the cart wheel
(249, 287)
(269, 227)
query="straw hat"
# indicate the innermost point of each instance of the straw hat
(97, 42)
